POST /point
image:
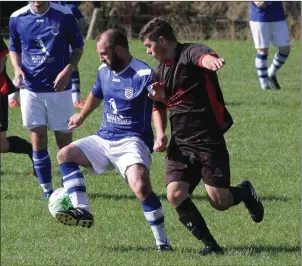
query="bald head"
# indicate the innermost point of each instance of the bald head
(113, 37)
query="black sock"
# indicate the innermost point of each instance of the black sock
(191, 218)
(239, 194)
(19, 145)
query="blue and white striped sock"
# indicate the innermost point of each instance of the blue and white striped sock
(42, 167)
(74, 183)
(75, 86)
(154, 214)
(261, 67)
(277, 63)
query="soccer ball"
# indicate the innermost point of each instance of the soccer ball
(59, 201)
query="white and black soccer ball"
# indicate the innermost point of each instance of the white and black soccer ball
(59, 201)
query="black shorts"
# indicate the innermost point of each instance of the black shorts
(211, 165)
(3, 113)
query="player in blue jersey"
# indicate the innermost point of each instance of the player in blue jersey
(268, 25)
(40, 35)
(124, 140)
(75, 76)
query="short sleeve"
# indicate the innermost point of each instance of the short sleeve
(14, 38)
(97, 88)
(196, 53)
(73, 32)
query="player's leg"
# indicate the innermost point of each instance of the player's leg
(34, 119)
(280, 39)
(216, 176)
(133, 159)
(13, 99)
(260, 33)
(181, 178)
(87, 152)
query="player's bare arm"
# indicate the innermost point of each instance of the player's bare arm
(212, 63)
(158, 92)
(160, 123)
(90, 105)
(63, 77)
(16, 62)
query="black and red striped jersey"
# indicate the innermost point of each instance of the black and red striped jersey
(196, 106)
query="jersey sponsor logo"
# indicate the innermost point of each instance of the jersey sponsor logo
(40, 59)
(55, 29)
(129, 93)
(115, 117)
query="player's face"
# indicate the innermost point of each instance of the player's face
(155, 49)
(109, 56)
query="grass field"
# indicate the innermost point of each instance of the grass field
(264, 146)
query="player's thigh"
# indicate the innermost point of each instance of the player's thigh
(59, 110)
(260, 34)
(94, 149)
(127, 152)
(63, 138)
(280, 34)
(33, 109)
(220, 198)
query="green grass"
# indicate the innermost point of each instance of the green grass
(264, 147)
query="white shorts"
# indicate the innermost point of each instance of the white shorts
(266, 32)
(52, 109)
(105, 155)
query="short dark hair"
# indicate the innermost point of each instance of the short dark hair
(155, 28)
(115, 37)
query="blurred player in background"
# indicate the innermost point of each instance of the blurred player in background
(75, 76)
(268, 25)
(186, 81)
(40, 36)
(12, 144)
(124, 141)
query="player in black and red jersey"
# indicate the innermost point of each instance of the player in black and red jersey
(185, 81)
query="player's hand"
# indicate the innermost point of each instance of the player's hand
(158, 92)
(260, 4)
(19, 79)
(160, 143)
(75, 121)
(62, 79)
(213, 63)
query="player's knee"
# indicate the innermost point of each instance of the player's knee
(175, 198)
(142, 190)
(284, 50)
(65, 154)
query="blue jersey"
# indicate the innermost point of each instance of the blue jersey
(73, 7)
(43, 41)
(273, 12)
(127, 107)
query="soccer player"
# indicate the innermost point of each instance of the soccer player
(40, 35)
(75, 76)
(268, 25)
(124, 140)
(12, 144)
(186, 81)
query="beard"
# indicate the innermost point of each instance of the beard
(116, 63)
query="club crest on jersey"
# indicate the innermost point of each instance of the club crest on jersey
(129, 93)
(55, 29)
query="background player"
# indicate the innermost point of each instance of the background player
(41, 32)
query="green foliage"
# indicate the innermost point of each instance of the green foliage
(264, 146)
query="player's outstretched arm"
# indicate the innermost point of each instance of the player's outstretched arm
(160, 123)
(90, 105)
(212, 63)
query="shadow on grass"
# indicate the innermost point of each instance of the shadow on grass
(129, 249)
(163, 197)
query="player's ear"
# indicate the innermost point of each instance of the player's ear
(162, 40)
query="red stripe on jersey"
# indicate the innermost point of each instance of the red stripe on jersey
(217, 107)
(204, 55)
(3, 53)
